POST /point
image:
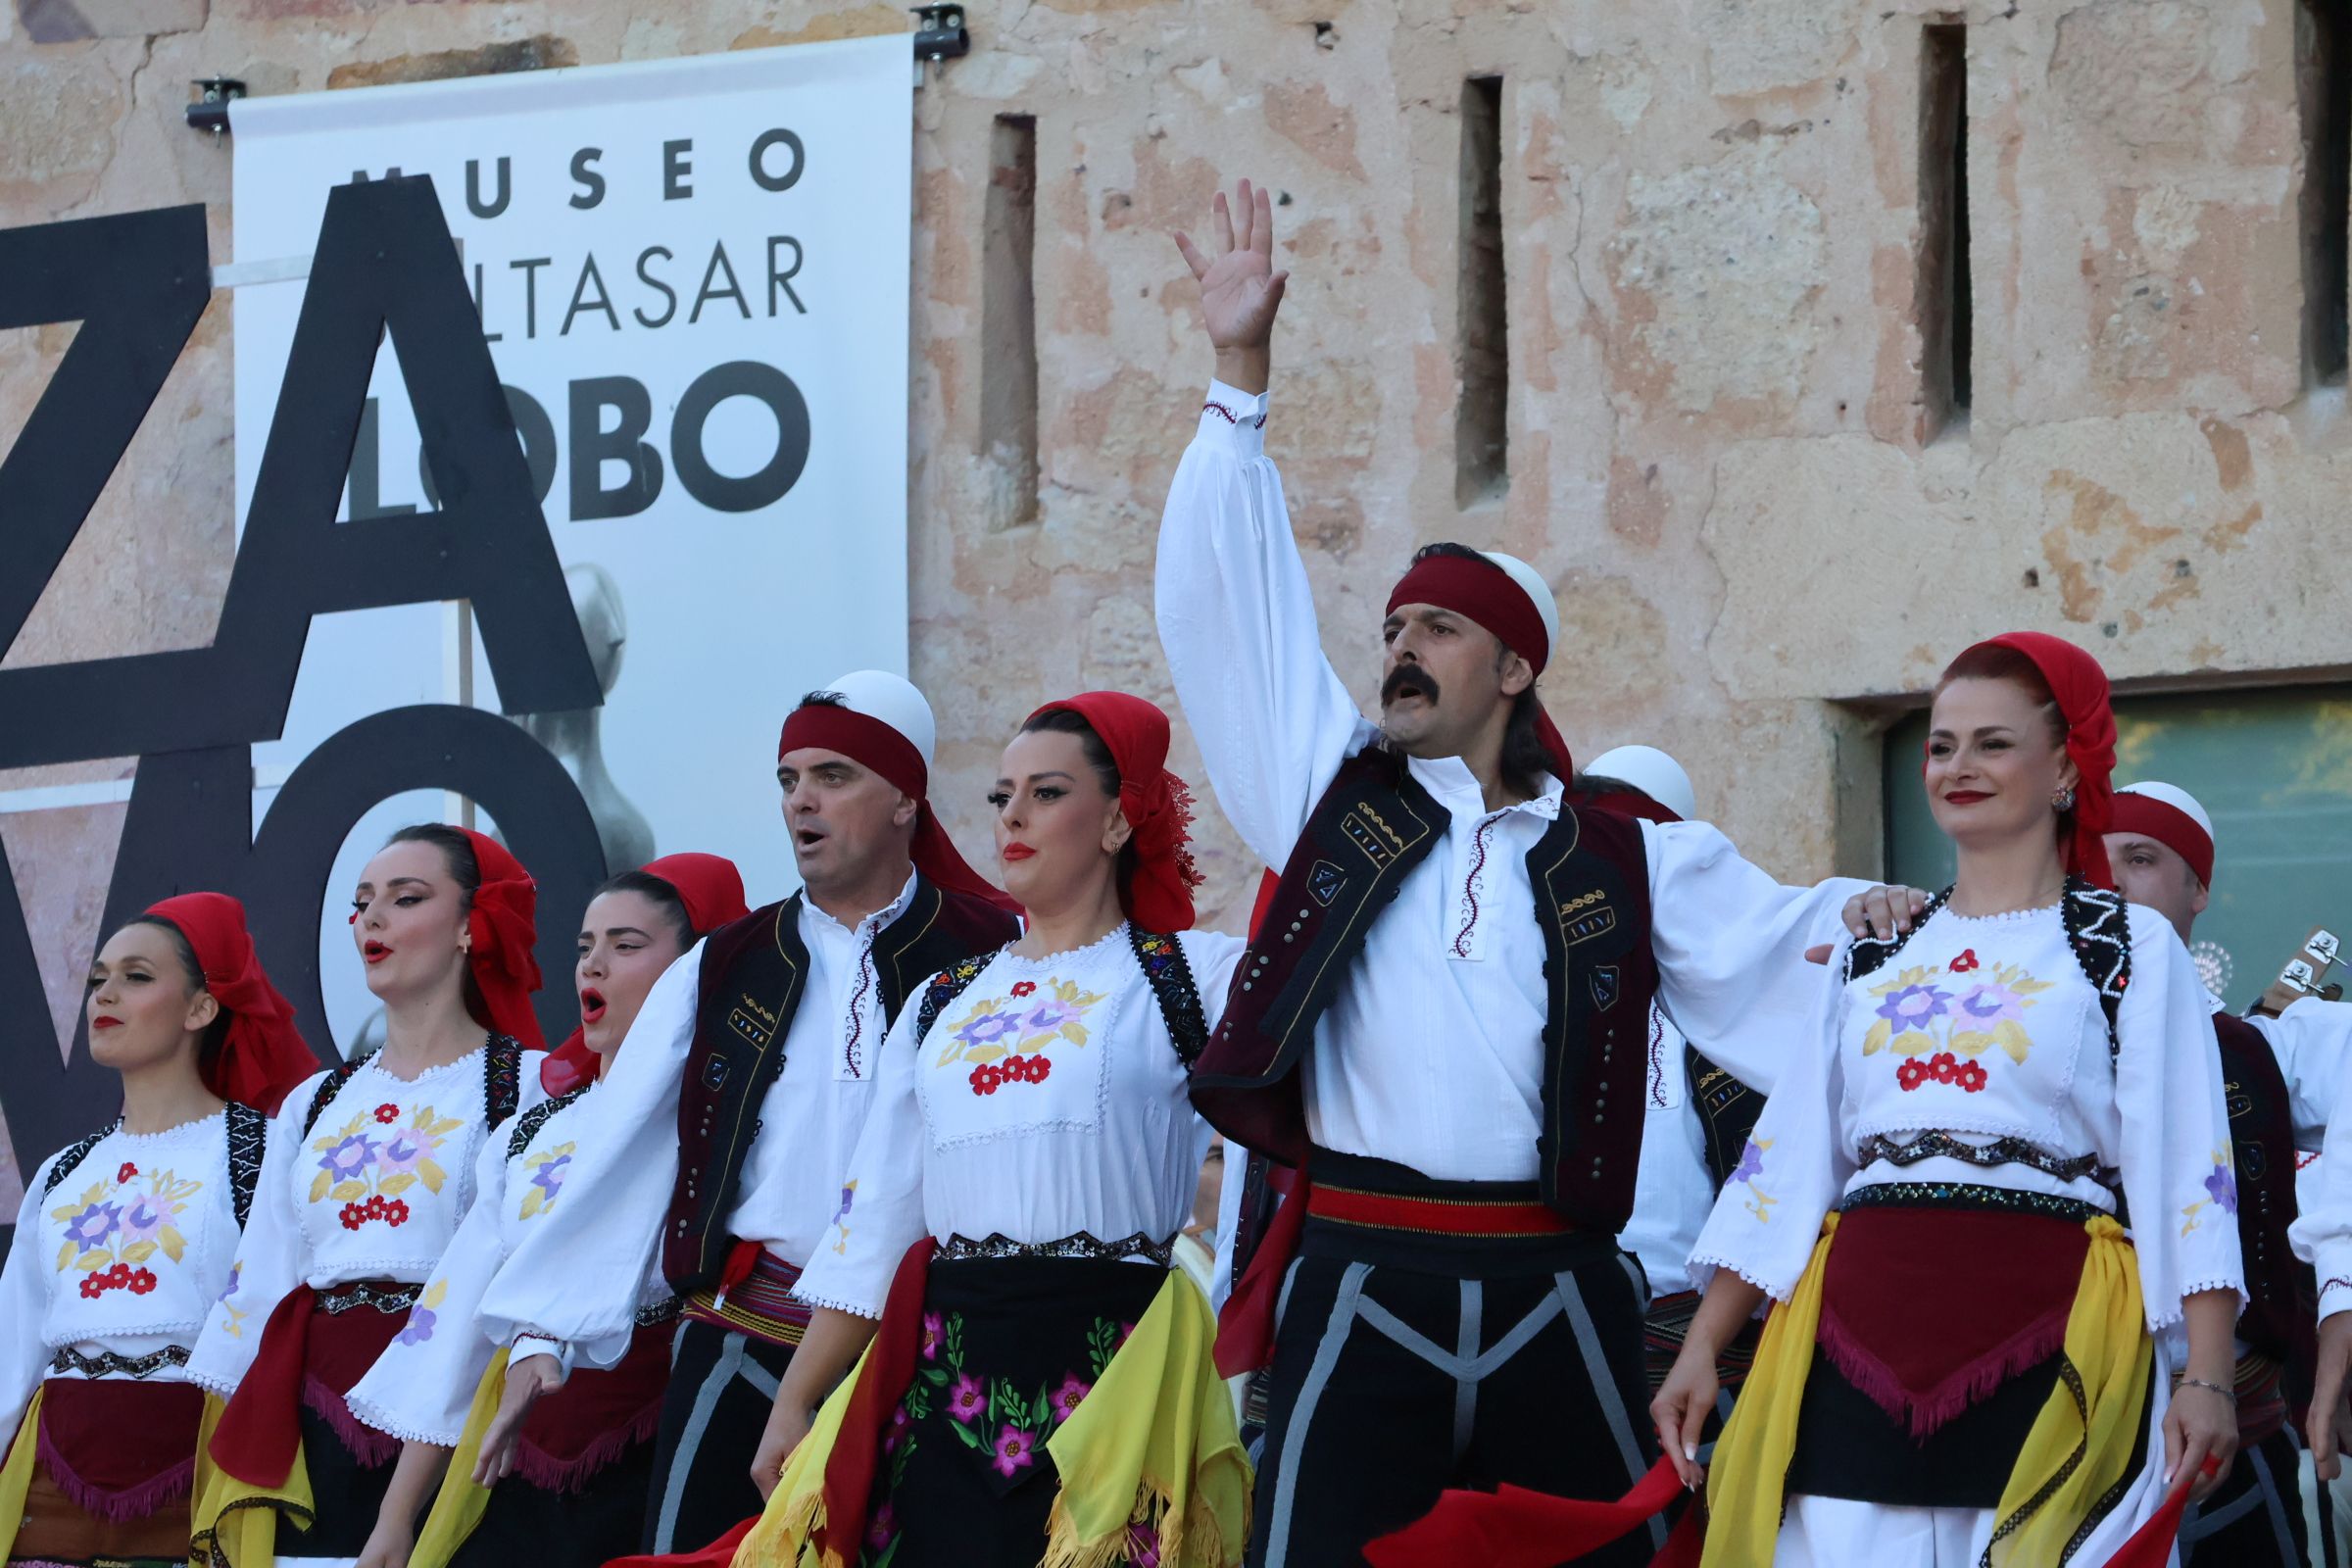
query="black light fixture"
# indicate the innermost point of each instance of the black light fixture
(940, 32)
(209, 110)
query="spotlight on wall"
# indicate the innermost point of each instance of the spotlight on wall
(209, 110)
(940, 32)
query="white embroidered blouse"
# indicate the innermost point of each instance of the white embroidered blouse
(574, 1277)
(120, 1263)
(1982, 1029)
(1048, 1101)
(373, 1192)
(421, 1388)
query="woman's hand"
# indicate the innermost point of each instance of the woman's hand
(526, 1379)
(2331, 1423)
(788, 1424)
(2200, 1437)
(1681, 1408)
(388, 1544)
(1884, 913)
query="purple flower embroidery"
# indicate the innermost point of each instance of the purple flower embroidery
(236, 1271)
(549, 1178)
(406, 1149)
(1016, 1451)
(1990, 1003)
(1143, 1546)
(143, 1220)
(1913, 1007)
(1065, 1399)
(933, 1327)
(1050, 1015)
(2222, 1185)
(89, 1229)
(349, 1157)
(1751, 1164)
(421, 1326)
(895, 1433)
(987, 1028)
(881, 1528)
(967, 1400)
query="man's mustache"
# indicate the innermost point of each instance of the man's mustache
(1421, 681)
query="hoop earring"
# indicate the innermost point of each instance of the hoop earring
(2066, 800)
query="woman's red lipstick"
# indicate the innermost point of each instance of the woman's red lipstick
(1967, 797)
(106, 1020)
(1018, 850)
(374, 952)
(592, 1006)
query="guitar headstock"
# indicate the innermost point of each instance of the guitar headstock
(2305, 974)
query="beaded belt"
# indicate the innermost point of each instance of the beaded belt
(110, 1364)
(1967, 1195)
(2001, 1151)
(386, 1299)
(664, 1311)
(963, 1249)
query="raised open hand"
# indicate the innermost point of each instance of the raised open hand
(1240, 290)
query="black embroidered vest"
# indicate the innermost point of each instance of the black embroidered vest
(2281, 1293)
(248, 1132)
(753, 975)
(1592, 901)
(1728, 1109)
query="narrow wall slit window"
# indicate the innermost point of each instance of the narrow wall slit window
(1481, 430)
(1009, 321)
(2323, 90)
(1945, 308)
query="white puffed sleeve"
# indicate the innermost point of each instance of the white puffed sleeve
(2322, 1231)
(1796, 1165)
(421, 1388)
(882, 1200)
(1236, 622)
(2313, 1042)
(23, 1304)
(271, 1256)
(2179, 1180)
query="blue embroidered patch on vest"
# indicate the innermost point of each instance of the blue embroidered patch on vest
(1605, 987)
(1324, 881)
(715, 1072)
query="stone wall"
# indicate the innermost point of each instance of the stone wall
(1719, 446)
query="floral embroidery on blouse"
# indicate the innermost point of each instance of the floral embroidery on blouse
(233, 1324)
(841, 1219)
(1005, 1038)
(2221, 1192)
(1923, 1009)
(548, 1169)
(366, 1172)
(1942, 1068)
(112, 1231)
(1751, 1166)
(425, 1317)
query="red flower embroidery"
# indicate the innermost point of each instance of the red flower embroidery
(1038, 1067)
(92, 1288)
(128, 1171)
(387, 1114)
(986, 1078)
(1911, 1073)
(1024, 988)
(352, 1216)
(141, 1283)
(1970, 1076)
(119, 1274)
(1943, 1066)
(396, 1213)
(1965, 962)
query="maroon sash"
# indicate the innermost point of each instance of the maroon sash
(596, 1416)
(120, 1449)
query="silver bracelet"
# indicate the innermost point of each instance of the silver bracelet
(2199, 1383)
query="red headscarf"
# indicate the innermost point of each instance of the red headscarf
(872, 743)
(1157, 805)
(502, 929)
(263, 1057)
(1488, 594)
(2079, 686)
(711, 889)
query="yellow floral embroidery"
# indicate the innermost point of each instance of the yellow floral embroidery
(548, 1170)
(1929, 1006)
(120, 1224)
(1029, 1020)
(2221, 1192)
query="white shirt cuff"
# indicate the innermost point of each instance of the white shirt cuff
(1234, 419)
(529, 1344)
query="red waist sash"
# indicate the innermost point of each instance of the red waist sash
(120, 1449)
(596, 1416)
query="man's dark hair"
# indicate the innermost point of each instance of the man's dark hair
(1524, 759)
(822, 699)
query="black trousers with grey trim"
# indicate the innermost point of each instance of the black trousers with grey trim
(2254, 1519)
(722, 1384)
(1459, 1366)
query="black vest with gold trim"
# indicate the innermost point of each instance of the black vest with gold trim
(1728, 1109)
(752, 974)
(1592, 901)
(2281, 1293)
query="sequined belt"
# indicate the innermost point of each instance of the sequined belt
(386, 1297)
(69, 1362)
(2001, 1151)
(1967, 1195)
(664, 1311)
(1083, 1245)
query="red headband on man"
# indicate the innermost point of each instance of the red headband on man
(503, 930)
(1159, 806)
(1475, 587)
(263, 1057)
(870, 742)
(2079, 686)
(710, 889)
(2168, 825)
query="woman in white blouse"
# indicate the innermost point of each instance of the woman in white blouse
(126, 1237)
(1935, 1194)
(568, 1483)
(1029, 1161)
(370, 1171)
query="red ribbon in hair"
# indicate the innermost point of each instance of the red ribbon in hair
(263, 1056)
(502, 929)
(2079, 686)
(711, 889)
(1475, 587)
(1157, 805)
(870, 742)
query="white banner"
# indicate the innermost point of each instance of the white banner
(693, 276)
